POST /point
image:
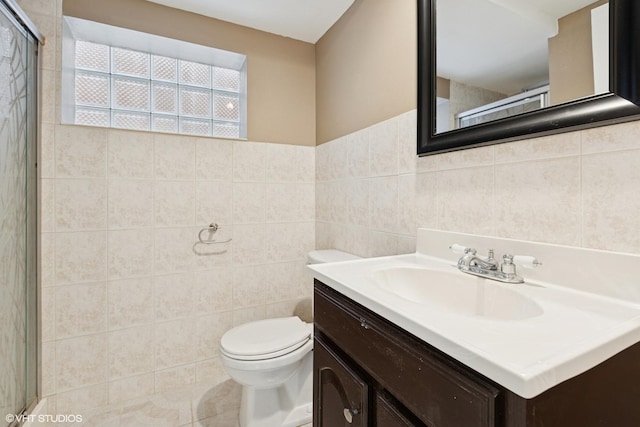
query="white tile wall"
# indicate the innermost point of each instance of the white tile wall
(132, 305)
(129, 302)
(89, 314)
(577, 188)
(610, 197)
(132, 299)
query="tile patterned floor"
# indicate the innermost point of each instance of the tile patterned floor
(199, 406)
(203, 406)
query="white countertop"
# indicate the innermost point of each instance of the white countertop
(575, 331)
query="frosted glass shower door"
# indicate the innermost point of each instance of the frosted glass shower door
(18, 66)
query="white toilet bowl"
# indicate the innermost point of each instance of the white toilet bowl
(273, 360)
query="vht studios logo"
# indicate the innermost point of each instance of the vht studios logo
(43, 418)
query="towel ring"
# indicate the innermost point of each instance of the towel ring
(213, 227)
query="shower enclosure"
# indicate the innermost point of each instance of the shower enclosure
(18, 211)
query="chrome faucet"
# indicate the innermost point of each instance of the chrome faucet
(471, 260)
(489, 267)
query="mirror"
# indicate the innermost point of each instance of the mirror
(492, 71)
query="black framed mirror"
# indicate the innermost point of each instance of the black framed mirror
(619, 103)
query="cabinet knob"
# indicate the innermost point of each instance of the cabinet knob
(349, 413)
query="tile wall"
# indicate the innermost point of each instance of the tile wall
(578, 188)
(131, 305)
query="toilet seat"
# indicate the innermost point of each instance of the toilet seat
(263, 356)
(265, 339)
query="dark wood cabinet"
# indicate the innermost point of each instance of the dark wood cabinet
(389, 414)
(385, 377)
(341, 395)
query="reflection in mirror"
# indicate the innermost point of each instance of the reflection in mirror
(502, 58)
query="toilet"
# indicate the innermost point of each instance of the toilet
(273, 361)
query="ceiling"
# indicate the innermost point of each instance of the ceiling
(305, 20)
(500, 45)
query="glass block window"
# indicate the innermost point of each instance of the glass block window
(130, 89)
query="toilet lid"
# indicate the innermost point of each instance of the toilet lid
(329, 255)
(266, 337)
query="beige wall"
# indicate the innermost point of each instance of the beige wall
(366, 67)
(463, 97)
(281, 71)
(571, 57)
(443, 88)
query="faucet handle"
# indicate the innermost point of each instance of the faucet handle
(461, 250)
(458, 249)
(526, 261)
(508, 267)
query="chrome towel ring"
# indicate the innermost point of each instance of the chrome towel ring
(212, 228)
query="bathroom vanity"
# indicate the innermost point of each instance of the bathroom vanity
(366, 365)
(385, 358)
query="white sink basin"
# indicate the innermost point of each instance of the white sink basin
(456, 291)
(579, 309)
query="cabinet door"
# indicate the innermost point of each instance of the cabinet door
(389, 415)
(340, 396)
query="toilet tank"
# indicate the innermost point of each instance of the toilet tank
(329, 255)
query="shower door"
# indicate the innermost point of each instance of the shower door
(18, 226)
